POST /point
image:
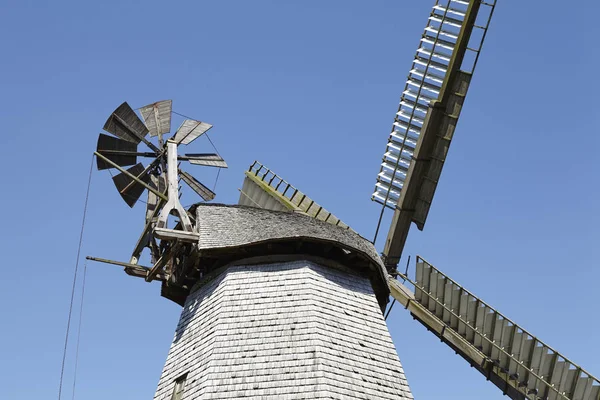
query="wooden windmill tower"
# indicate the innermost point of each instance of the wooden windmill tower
(274, 303)
(283, 300)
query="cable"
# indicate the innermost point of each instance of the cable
(87, 195)
(79, 330)
(205, 133)
(216, 180)
(390, 309)
(212, 144)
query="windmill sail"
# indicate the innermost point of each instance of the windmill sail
(197, 186)
(116, 150)
(157, 117)
(190, 130)
(264, 189)
(125, 123)
(520, 364)
(129, 189)
(429, 108)
(206, 159)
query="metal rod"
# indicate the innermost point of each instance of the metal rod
(390, 309)
(129, 174)
(120, 263)
(407, 265)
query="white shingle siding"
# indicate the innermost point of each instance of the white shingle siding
(293, 330)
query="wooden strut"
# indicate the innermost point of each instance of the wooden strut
(162, 261)
(141, 243)
(173, 192)
(160, 231)
(144, 172)
(131, 269)
(129, 174)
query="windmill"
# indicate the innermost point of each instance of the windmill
(160, 178)
(515, 360)
(280, 297)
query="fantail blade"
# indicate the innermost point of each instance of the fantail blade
(196, 186)
(129, 189)
(125, 123)
(190, 130)
(114, 149)
(157, 117)
(208, 159)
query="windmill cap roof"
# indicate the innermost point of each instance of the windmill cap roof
(234, 232)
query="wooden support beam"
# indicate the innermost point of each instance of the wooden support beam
(174, 234)
(129, 174)
(162, 261)
(131, 269)
(142, 242)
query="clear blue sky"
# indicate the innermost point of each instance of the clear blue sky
(310, 89)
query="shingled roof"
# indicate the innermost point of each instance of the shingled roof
(233, 227)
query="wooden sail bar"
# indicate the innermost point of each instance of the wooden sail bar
(429, 110)
(517, 362)
(264, 189)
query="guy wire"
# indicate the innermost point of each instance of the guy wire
(87, 195)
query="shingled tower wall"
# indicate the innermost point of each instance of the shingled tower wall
(293, 326)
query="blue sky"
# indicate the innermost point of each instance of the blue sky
(309, 89)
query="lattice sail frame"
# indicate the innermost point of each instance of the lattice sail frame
(264, 189)
(519, 360)
(428, 74)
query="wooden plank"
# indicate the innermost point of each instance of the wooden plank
(173, 234)
(157, 117)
